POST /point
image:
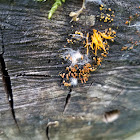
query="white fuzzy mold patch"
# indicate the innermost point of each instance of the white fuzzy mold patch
(75, 57)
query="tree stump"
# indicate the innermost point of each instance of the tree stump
(32, 59)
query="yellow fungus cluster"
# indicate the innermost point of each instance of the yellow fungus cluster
(107, 14)
(98, 41)
(96, 44)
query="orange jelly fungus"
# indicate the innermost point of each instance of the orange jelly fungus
(97, 40)
(96, 45)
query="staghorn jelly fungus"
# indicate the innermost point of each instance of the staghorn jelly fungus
(88, 56)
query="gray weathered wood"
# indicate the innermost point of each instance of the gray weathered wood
(32, 45)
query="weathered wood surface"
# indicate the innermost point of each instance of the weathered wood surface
(32, 44)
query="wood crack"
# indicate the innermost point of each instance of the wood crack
(7, 82)
(67, 100)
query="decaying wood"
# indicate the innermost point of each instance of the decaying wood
(32, 49)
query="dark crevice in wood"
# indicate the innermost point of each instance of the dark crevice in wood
(67, 100)
(7, 82)
(33, 75)
(47, 133)
(2, 43)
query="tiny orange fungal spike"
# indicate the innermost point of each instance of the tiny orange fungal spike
(82, 57)
(101, 8)
(87, 43)
(109, 9)
(109, 18)
(130, 18)
(87, 50)
(67, 56)
(103, 55)
(84, 42)
(76, 66)
(67, 76)
(62, 75)
(107, 49)
(105, 36)
(102, 5)
(81, 80)
(99, 60)
(114, 32)
(131, 48)
(68, 40)
(67, 68)
(84, 75)
(102, 17)
(124, 48)
(88, 70)
(84, 80)
(127, 22)
(83, 71)
(67, 84)
(69, 73)
(108, 15)
(73, 75)
(79, 75)
(88, 65)
(79, 33)
(92, 69)
(73, 69)
(113, 15)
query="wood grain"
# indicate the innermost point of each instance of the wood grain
(32, 47)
